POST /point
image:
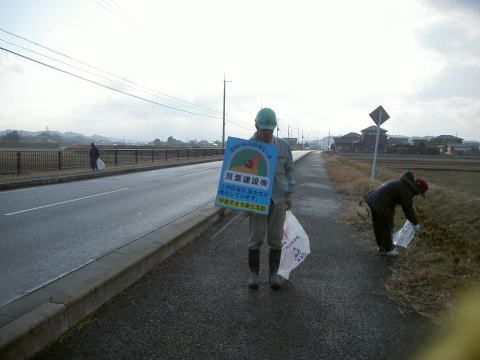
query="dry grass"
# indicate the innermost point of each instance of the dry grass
(444, 258)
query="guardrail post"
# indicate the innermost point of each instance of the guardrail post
(152, 154)
(59, 160)
(116, 156)
(178, 154)
(19, 165)
(166, 154)
(188, 153)
(136, 155)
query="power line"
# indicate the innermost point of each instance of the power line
(105, 86)
(78, 68)
(137, 86)
(113, 11)
(122, 11)
(241, 126)
(106, 72)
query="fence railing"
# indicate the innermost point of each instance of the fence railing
(17, 162)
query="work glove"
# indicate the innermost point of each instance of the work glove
(288, 202)
(416, 228)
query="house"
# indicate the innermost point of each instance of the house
(460, 149)
(396, 143)
(475, 145)
(345, 143)
(366, 143)
(397, 140)
(445, 140)
(420, 142)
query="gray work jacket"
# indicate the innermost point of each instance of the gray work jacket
(284, 181)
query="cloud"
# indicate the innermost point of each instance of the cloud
(134, 119)
(451, 39)
(453, 81)
(8, 64)
(461, 6)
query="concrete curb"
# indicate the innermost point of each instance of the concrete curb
(23, 337)
(96, 283)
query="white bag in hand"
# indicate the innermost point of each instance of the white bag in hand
(404, 235)
(100, 164)
(295, 245)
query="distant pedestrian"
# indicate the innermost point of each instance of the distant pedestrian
(382, 202)
(94, 155)
(271, 225)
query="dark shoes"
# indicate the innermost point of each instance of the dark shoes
(253, 280)
(274, 262)
(254, 264)
(391, 253)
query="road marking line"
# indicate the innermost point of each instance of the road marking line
(64, 202)
(9, 191)
(195, 173)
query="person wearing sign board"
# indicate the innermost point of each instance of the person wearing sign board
(271, 225)
(382, 202)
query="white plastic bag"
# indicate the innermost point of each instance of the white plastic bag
(404, 235)
(100, 164)
(295, 245)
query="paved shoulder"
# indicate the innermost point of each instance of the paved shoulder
(196, 305)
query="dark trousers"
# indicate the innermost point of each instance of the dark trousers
(383, 229)
(93, 163)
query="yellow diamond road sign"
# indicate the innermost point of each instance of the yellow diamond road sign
(379, 115)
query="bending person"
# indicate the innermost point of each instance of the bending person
(382, 202)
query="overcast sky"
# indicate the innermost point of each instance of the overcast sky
(320, 65)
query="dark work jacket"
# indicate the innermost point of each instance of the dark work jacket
(384, 199)
(94, 153)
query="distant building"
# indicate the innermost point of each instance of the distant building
(366, 143)
(474, 144)
(460, 149)
(345, 143)
(397, 140)
(396, 143)
(445, 140)
(420, 142)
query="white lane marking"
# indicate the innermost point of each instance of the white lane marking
(64, 202)
(195, 173)
(9, 191)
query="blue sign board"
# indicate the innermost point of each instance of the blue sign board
(247, 175)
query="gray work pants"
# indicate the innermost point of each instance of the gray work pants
(270, 225)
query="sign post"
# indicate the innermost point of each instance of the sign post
(379, 116)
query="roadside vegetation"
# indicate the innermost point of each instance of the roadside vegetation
(443, 260)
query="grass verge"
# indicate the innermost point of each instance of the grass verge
(443, 259)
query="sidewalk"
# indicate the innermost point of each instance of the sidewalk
(196, 305)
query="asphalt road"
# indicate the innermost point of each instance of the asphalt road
(196, 305)
(49, 231)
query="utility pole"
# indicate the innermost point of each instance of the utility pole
(223, 128)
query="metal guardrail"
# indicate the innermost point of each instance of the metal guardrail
(17, 162)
